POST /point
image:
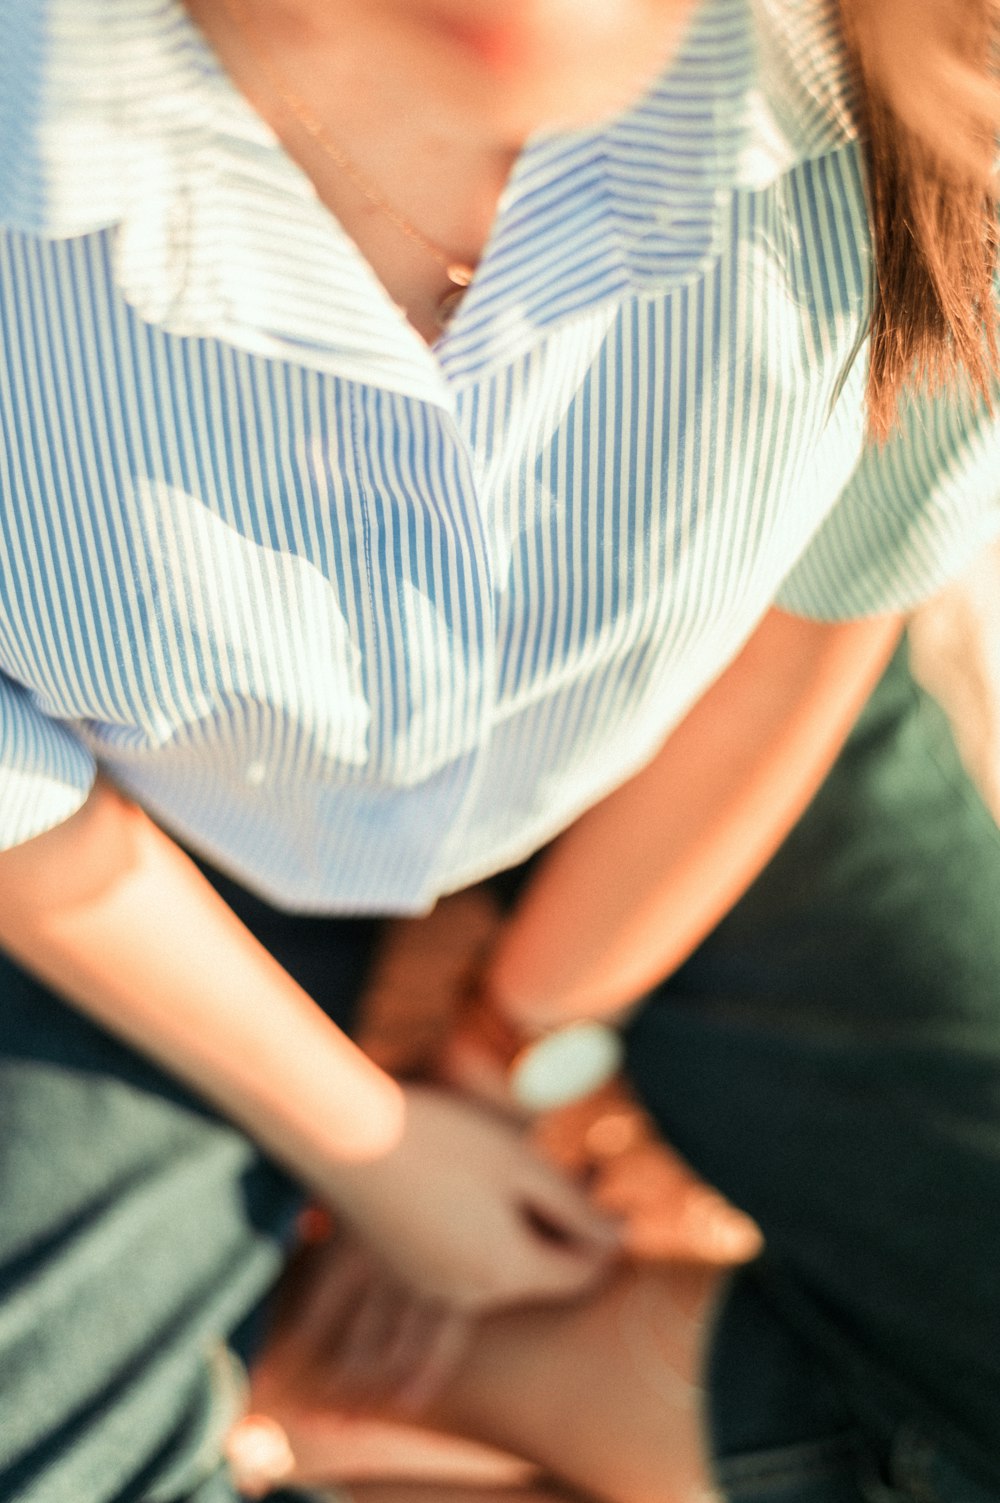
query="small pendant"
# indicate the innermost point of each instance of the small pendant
(459, 273)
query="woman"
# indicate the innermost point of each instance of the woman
(358, 621)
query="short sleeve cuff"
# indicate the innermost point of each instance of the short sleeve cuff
(46, 774)
(913, 517)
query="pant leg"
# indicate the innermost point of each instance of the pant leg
(138, 1232)
(831, 1059)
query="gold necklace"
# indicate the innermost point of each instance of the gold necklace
(459, 273)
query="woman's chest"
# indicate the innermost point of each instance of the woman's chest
(187, 524)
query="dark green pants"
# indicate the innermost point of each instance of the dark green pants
(138, 1235)
(830, 1058)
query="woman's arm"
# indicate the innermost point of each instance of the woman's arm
(112, 915)
(637, 882)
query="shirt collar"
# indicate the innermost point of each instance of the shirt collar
(123, 121)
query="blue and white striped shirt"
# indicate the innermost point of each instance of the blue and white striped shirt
(362, 621)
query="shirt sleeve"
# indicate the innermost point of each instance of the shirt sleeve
(913, 516)
(45, 773)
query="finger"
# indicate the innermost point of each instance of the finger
(399, 1349)
(413, 1362)
(671, 1212)
(328, 1284)
(440, 1356)
(584, 1134)
(339, 1278)
(711, 1234)
(362, 1367)
(645, 1175)
(711, 1229)
(413, 1332)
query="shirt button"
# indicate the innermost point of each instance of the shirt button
(255, 774)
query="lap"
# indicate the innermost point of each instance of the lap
(830, 1058)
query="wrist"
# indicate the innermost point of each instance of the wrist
(337, 1165)
(546, 1064)
(523, 1012)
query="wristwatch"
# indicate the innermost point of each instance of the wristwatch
(550, 1068)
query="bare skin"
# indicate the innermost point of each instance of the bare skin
(606, 1395)
(388, 1492)
(355, 1376)
(432, 103)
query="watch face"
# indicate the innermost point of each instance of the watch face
(565, 1065)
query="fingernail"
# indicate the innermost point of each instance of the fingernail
(734, 1235)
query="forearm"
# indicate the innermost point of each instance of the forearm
(112, 915)
(630, 889)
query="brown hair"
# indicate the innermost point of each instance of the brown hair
(929, 114)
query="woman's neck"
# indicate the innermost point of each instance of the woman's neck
(415, 197)
(492, 72)
(407, 115)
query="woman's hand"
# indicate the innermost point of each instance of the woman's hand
(463, 1211)
(345, 1349)
(344, 1337)
(668, 1213)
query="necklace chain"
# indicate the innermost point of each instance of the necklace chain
(459, 273)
